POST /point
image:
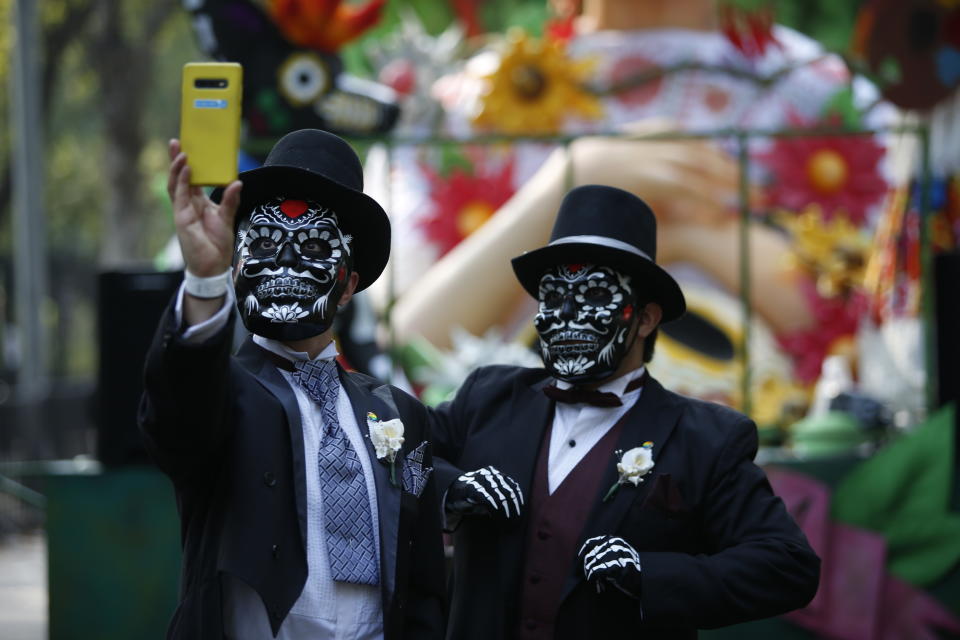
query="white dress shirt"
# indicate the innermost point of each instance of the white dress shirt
(577, 427)
(326, 609)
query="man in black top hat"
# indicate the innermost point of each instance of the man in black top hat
(305, 492)
(586, 500)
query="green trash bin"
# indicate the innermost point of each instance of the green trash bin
(113, 554)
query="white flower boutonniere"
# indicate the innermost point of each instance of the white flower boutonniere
(387, 438)
(633, 465)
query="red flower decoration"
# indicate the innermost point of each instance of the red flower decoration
(463, 201)
(561, 29)
(749, 31)
(837, 173)
(326, 25)
(838, 318)
(629, 70)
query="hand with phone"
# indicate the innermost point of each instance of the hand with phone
(204, 229)
(206, 154)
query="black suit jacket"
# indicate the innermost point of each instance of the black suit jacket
(716, 546)
(227, 432)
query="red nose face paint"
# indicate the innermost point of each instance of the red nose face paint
(573, 268)
(293, 208)
(628, 312)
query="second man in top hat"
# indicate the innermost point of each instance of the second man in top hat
(586, 500)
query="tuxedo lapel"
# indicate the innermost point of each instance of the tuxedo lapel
(364, 400)
(254, 359)
(651, 419)
(530, 413)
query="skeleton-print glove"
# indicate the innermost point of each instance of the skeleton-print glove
(484, 492)
(611, 560)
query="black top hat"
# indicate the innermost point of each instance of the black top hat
(311, 164)
(610, 227)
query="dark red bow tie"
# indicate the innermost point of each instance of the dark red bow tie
(573, 395)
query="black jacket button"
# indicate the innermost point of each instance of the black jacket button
(276, 552)
(269, 479)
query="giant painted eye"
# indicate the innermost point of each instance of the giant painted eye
(316, 249)
(263, 247)
(597, 296)
(303, 77)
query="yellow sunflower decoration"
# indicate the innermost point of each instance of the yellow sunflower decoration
(834, 250)
(536, 86)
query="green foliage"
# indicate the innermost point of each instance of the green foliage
(6, 37)
(500, 15)
(75, 189)
(828, 21)
(842, 108)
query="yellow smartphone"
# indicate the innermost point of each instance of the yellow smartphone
(211, 96)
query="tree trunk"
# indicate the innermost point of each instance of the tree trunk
(124, 63)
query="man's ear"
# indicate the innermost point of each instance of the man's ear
(649, 319)
(351, 287)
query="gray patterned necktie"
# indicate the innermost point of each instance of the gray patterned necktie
(346, 504)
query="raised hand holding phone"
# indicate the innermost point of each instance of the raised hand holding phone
(206, 154)
(204, 229)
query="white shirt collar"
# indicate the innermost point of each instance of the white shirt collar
(275, 346)
(615, 386)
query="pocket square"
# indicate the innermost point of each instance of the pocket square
(414, 475)
(665, 496)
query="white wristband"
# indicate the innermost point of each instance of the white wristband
(212, 287)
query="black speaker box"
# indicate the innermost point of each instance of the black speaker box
(946, 274)
(946, 269)
(129, 308)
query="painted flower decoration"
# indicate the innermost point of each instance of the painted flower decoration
(838, 320)
(464, 201)
(573, 366)
(840, 174)
(633, 466)
(535, 87)
(387, 438)
(834, 251)
(326, 25)
(749, 30)
(284, 312)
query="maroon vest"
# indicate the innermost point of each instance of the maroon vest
(555, 526)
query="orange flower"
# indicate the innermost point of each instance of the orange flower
(325, 25)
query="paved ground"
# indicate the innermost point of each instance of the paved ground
(23, 587)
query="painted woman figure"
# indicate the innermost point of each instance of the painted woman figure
(648, 68)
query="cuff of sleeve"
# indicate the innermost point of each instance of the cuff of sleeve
(212, 287)
(448, 521)
(205, 330)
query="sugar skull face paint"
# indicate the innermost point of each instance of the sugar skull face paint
(293, 267)
(584, 319)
